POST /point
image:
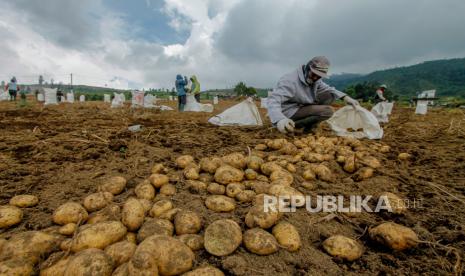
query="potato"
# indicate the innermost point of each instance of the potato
(222, 237)
(341, 159)
(254, 162)
(57, 268)
(122, 270)
(23, 201)
(343, 247)
(171, 256)
(257, 217)
(187, 222)
(260, 187)
(269, 167)
(349, 164)
(168, 190)
(314, 157)
(99, 235)
(309, 175)
(323, 172)
(279, 190)
(287, 236)
(288, 149)
(260, 242)
(205, 177)
(210, 164)
(196, 186)
(227, 174)
(262, 178)
(68, 229)
(111, 212)
(9, 216)
(158, 180)
(90, 262)
(194, 241)
(147, 204)
(371, 162)
(276, 144)
(66, 245)
(309, 185)
(283, 176)
(234, 188)
(160, 207)
(251, 174)
(114, 185)
(236, 160)
(385, 149)
(363, 173)
(396, 203)
(70, 212)
(393, 235)
(291, 168)
(133, 214)
(17, 266)
(97, 201)
(169, 215)
(220, 203)
(404, 156)
(246, 196)
(216, 189)
(191, 172)
(120, 252)
(158, 168)
(260, 147)
(2, 243)
(155, 226)
(205, 271)
(145, 190)
(184, 160)
(30, 245)
(131, 237)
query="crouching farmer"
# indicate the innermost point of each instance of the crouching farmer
(301, 99)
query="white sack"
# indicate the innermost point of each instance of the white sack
(263, 102)
(193, 106)
(356, 118)
(106, 98)
(149, 101)
(137, 99)
(118, 100)
(215, 100)
(382, 111)
(82, 98)
(422, 107)
(70, 97)
(243, 114)
(50, 96)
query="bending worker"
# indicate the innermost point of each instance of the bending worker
(301, 99)
(379, 97)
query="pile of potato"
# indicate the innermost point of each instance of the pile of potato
(147, 235)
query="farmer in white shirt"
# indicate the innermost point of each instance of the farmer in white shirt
(301, 99)
(379, 97)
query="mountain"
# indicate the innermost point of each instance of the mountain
(447, 76)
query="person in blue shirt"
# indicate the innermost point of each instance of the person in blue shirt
(180, 85)
(13, 89)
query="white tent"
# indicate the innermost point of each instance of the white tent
(50, 96)
(194, 106)
(244, 113)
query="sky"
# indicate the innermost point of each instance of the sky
(144, 43)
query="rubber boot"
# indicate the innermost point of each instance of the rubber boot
(181, 107)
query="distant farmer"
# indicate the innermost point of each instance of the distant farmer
(301, 99)
(379, 97)
(180, 84)
(195, 88)
(12, 88)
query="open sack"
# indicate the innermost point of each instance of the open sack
(355, 122)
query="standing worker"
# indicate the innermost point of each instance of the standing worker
(301, 99)
(379, 97)
(180, 84)
(195, 88)
(12, 88)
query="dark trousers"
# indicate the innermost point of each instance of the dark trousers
(197, 97)
(181, 102)
(12, 95)
(308, 116)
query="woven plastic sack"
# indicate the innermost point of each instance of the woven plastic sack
(382, 111)
(355, 122)
(244, 113)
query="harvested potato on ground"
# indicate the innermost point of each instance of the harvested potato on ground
(236, 160)
(66, 245)
(276, 144)
(269, 167)
(155, 226)
(56, 268)
(114, 185)
(2, 243)
(210, 164)
(371, 162)
(260, 147)
(341, 159)
(111, 212)
(250, 174)
(205, 271)
(160, 207)
(404, 156)
(159, 168)
(286, 191)
(24, 201)
(187, 222)
(184, 160)
(349, 164)
(194, 241)
(363, 173)
(9, 216)
(394, 202)
(121, 270)
(17, 266)
(171, 256)
(216, 189)
(196, 186)
(309, 175)
(343, 247)
(254, 162)
(144, 265)
(234, 188)
(191, 172)
(30, 245)
(97, 201)
(168, 190)
(222, 237)
(262, 178)
(313, 157)
(70, 212)
(260, 187)
(288, 149)
(246, 196)
(227, 174)
(385, 149)
(145, 190)
(206, 177)
(90, 262)
(68, 229)
(131, 237)
(133, 214)
(291, 168)
(220, 203)
(283, 176)
(158, 180)
(121, 252)
(147, 204)
(323, 172)
(309, 185)
(99, 235)
(169, 215)
(287, 236)
(257, 217)
(393, 235)
(260, 242)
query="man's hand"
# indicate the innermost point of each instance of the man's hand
(286, 125)
(351, 101)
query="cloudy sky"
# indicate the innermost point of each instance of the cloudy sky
(145, 43)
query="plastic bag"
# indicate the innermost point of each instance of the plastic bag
(382, 111)
(422, 107)
(137, 98)
(355, 122)
(193, 106)
(118, 100)
(149, 101)
(243, 114)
